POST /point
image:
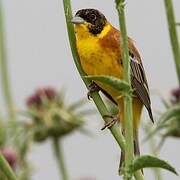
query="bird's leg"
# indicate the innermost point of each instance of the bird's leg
(93, 87)
(114, 119)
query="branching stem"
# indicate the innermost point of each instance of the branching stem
(60, 158)
(129, 148)
(95, 96)
(6, 169)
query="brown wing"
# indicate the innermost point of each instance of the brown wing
(138, 78)
(139, 81)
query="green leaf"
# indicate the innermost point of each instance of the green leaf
(77, 104)
(153, 131)
(165, 103)
(147, 161)
(116, 83)
(172, 112)
(29, 113)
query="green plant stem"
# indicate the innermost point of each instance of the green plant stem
(97, 99)
(4, 71)
(138, 175)
(95, 96)
(129, 148)
(152, 145)
(2, 176)
(173, 34)
(6, 169)
(60, 158)
(4, 76)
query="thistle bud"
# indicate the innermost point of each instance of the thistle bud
(50, 115)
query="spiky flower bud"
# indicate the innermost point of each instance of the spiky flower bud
(50, 115)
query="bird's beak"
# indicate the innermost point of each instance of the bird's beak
(77, 20)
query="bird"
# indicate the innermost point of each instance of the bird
(98, 46)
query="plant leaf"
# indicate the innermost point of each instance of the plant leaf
(116, 83)
(77, 104)
(172, 112)
(165, 102)
(147, 161)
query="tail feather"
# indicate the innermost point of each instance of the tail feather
(136, 143)
(136, 150)
(150, 114)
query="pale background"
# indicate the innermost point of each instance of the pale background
(39, 54)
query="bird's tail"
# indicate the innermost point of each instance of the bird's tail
(137, 109)
(136, 150)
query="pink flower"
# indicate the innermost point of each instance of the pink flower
(10, 155)
(175, 95)
(36, 98)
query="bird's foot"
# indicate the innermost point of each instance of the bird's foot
(114, 119)
(93, 87)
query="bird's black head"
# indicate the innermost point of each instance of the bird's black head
(94, 17)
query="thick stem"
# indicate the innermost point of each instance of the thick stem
(3, 176)
(4, 71)
(95, 96)
(4, 75)
(60, 158)
(129, 148)
(138, 175)
(173, 34)
(6, 169)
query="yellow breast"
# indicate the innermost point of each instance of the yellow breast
(97, 59)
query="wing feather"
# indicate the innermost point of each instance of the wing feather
(139, 83)
(138, 78)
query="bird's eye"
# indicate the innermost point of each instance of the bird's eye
(93, 17)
